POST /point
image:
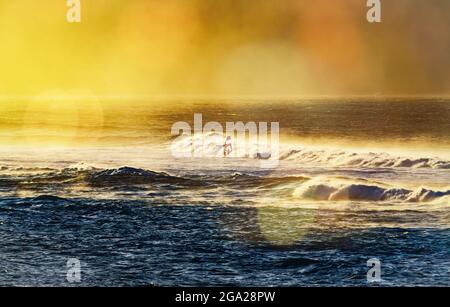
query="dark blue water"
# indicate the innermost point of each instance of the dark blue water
(123, 243)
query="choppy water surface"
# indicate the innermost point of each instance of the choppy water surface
(356, 180)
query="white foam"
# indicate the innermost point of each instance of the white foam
(212, 145)
(338, 189)
(339, 158)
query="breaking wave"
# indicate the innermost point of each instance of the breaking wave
(212, 145)
(340, 189)
(362, 160)
(86, 178)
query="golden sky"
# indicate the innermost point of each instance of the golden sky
(224, 48)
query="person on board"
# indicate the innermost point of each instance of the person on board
(227, 147)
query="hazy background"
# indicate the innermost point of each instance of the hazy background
(224, 48)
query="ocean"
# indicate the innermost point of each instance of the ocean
(357, 179)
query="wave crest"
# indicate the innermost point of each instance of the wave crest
(362, 160)
(334, 189)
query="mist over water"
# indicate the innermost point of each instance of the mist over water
(394, 122)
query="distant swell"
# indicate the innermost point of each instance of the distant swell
(129, 175)
(92, 177)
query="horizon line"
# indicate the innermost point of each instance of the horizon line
(125, 97)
